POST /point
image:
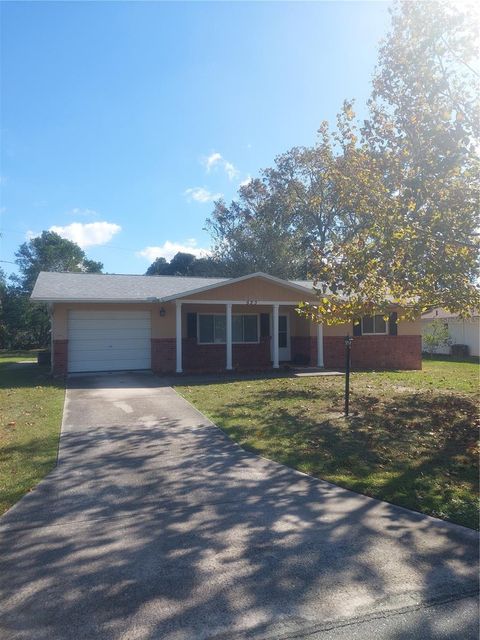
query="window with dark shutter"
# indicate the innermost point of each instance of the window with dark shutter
(357, 327)
(374, 325)
(264, 325)
(191, 325)
(392, 324)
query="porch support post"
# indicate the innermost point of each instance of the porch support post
(52, 349)
(229, 336)
(275, 336)
(320, 345)
(178, 336)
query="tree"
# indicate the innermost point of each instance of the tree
(23, 324)
(51, 252)
(412, 177)
(186, 264)
(157, 268)
(279, 217)
(437, 336)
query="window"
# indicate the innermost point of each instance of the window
(212, 328)
(250, 329)
(373, 324)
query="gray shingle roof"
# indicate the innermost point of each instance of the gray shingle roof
(95, 286)
(54, 286)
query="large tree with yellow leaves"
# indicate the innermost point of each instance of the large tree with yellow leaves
(409, 176)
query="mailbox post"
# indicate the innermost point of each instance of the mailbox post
(348, 347)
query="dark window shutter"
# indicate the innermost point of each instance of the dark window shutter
(357, 327)
(191, 325)
(392, 324)
(264, 325)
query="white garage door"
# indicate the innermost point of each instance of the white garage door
(108, 340)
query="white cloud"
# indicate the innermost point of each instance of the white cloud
(231, 171)
(168, 249)
(212, 160)
(216, 159)
(88, 234)
(200, 194)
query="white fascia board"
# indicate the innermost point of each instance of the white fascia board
(245, 303)
(95, 300)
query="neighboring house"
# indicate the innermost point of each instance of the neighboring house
(461, 331)
(175, 324)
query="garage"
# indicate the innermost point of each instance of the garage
(109, 340)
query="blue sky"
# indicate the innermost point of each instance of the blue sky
(121, 121)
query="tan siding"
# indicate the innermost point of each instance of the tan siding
(410, 328)
(338, 330)
(404, 329)
(165, 327)
(253, 289)
(299, 326)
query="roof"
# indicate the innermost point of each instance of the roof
(95, 287)
(442, 314)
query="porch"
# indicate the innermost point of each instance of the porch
(235, 335)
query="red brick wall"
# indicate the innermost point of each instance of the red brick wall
(375, 352)
(304, 349)
(252, 356)
(60, 357)
(368, 352)
(163, 355)
(213, 357)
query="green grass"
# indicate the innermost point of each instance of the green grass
(31, 406)
(18, 356)
(412, 438)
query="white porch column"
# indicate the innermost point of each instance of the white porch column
(229, 336)
(178, 335)
(275, 336)
(320, 345)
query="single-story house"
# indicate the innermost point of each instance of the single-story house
(466, 332)
(183, 324)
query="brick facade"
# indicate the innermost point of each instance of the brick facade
(368, 352)
(60, 357)
(213, 357)
(303, 350)
(163, 355)
(375, 352)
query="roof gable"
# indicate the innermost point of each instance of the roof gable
(247, 286)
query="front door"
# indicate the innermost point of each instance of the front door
(283, 338)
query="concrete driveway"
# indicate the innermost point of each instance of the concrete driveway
(155, 525)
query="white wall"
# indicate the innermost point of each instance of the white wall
(461, 332)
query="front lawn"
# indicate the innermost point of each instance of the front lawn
(31, 405)
(23, 355)
(412, 439)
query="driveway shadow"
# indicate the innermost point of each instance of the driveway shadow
(159, 526)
